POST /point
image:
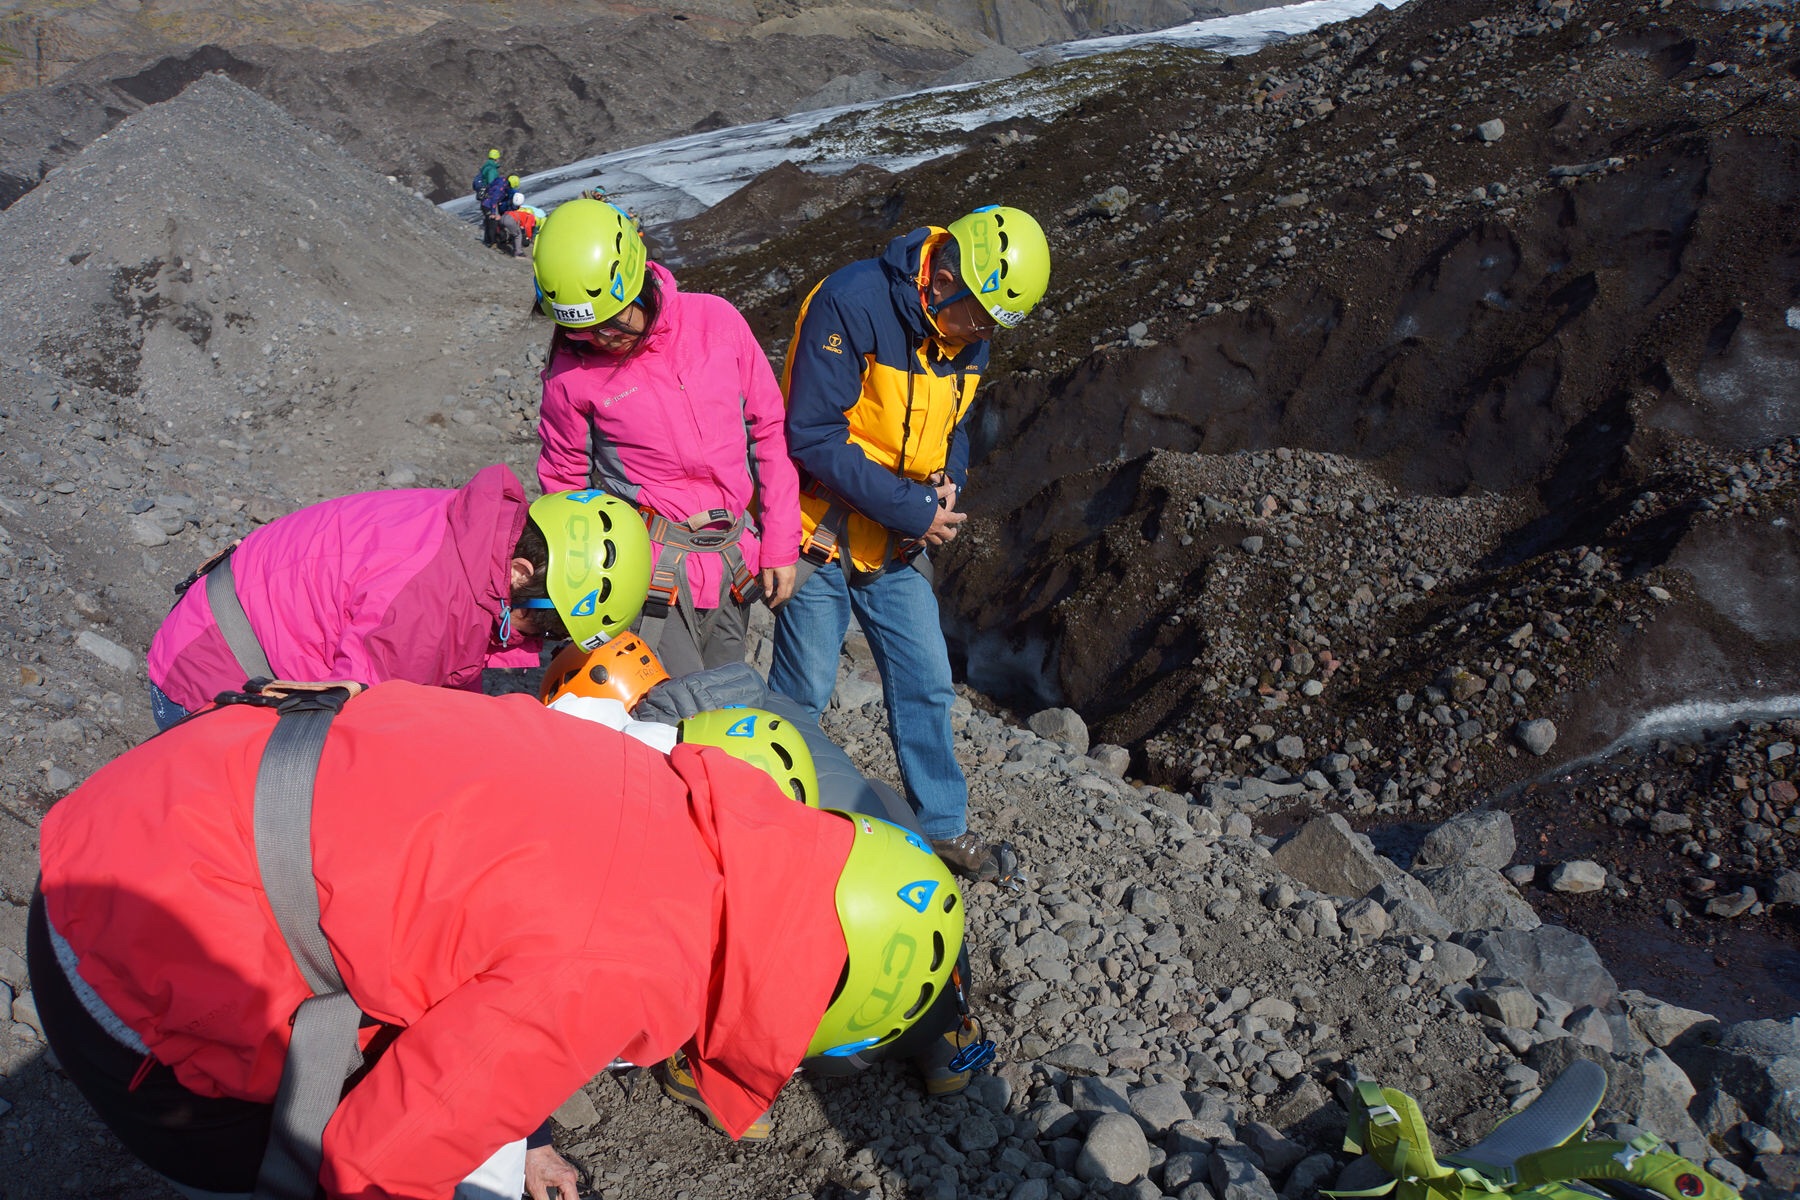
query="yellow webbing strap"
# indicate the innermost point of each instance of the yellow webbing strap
(1642, 1161)
(1387, 1125)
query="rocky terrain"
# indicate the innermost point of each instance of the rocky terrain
(420, 92)
(1415, 416)
(1433, 531)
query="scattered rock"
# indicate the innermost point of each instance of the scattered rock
(1577, 877)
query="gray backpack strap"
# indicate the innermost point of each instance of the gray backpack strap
(322, 1050)
(228, 614)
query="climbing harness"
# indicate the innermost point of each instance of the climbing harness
(228, 613)
(713, 531)
(1539, 1152)
(322, 1048)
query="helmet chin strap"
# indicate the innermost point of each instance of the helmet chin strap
(947, 301)
(506, 612)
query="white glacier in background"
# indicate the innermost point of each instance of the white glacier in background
(682, 177)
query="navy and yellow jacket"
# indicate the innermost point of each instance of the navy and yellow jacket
(875, 400)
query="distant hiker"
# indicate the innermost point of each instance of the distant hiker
(504, 898)
(884, 362)
(664, 398)
(527, 215)
(428, 585)
(490, 171)
(509, 234)
(496, 202)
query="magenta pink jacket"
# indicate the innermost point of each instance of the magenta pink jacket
(674, 426)
(404, 584)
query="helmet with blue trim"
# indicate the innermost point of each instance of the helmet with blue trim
(589, 263)
(763, 739)
(1005, 260)
(599, 568)
(902, 915)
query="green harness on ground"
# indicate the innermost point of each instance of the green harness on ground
(1540, 1152)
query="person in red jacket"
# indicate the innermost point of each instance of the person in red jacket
(513, 897)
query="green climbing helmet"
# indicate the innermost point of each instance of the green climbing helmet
(902, 915)
(494, 154)
(1005, 260)
(589, 262)
(599, 570)
(762, 739)
(512, 181)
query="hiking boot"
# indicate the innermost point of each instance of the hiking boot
(968, 856)
(678, 1085)
(937, 1065)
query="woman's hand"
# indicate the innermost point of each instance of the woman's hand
(777, 584)
(546, 1169)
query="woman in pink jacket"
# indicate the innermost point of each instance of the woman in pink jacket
(423, 584)
(664, 398)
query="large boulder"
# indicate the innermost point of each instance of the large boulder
(1115, 1151)
(1329, 856)
(1550, 960)
(1472, 898)
(1473, 839)
(1661, 1023)
(1667, 1092)
(1063, 726)
(1758, 1062)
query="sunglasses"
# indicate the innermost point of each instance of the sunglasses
(613, 332)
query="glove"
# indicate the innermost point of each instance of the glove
(671, 702)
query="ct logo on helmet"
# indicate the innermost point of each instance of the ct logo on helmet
(585, 606)
(744, 727)
(896, 963)
(575, 562)
(918, 894)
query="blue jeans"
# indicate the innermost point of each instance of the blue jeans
(899, 615)
(164, 711)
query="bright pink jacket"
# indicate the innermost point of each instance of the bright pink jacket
(528, 895)
(404, 584)
(673, 427)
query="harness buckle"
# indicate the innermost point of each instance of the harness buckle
(745, 587)
(660, 598)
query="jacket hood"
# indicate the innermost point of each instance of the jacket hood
(900, 262)
(780, 950)
(493, 500)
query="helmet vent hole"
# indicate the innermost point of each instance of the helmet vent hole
(605, 590)
(950, 902)
(799, 789)
(611, 557)
(923, 1003)
(937, 951)
(1003, 238)
(787, 760)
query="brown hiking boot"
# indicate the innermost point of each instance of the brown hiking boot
(968, 856)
